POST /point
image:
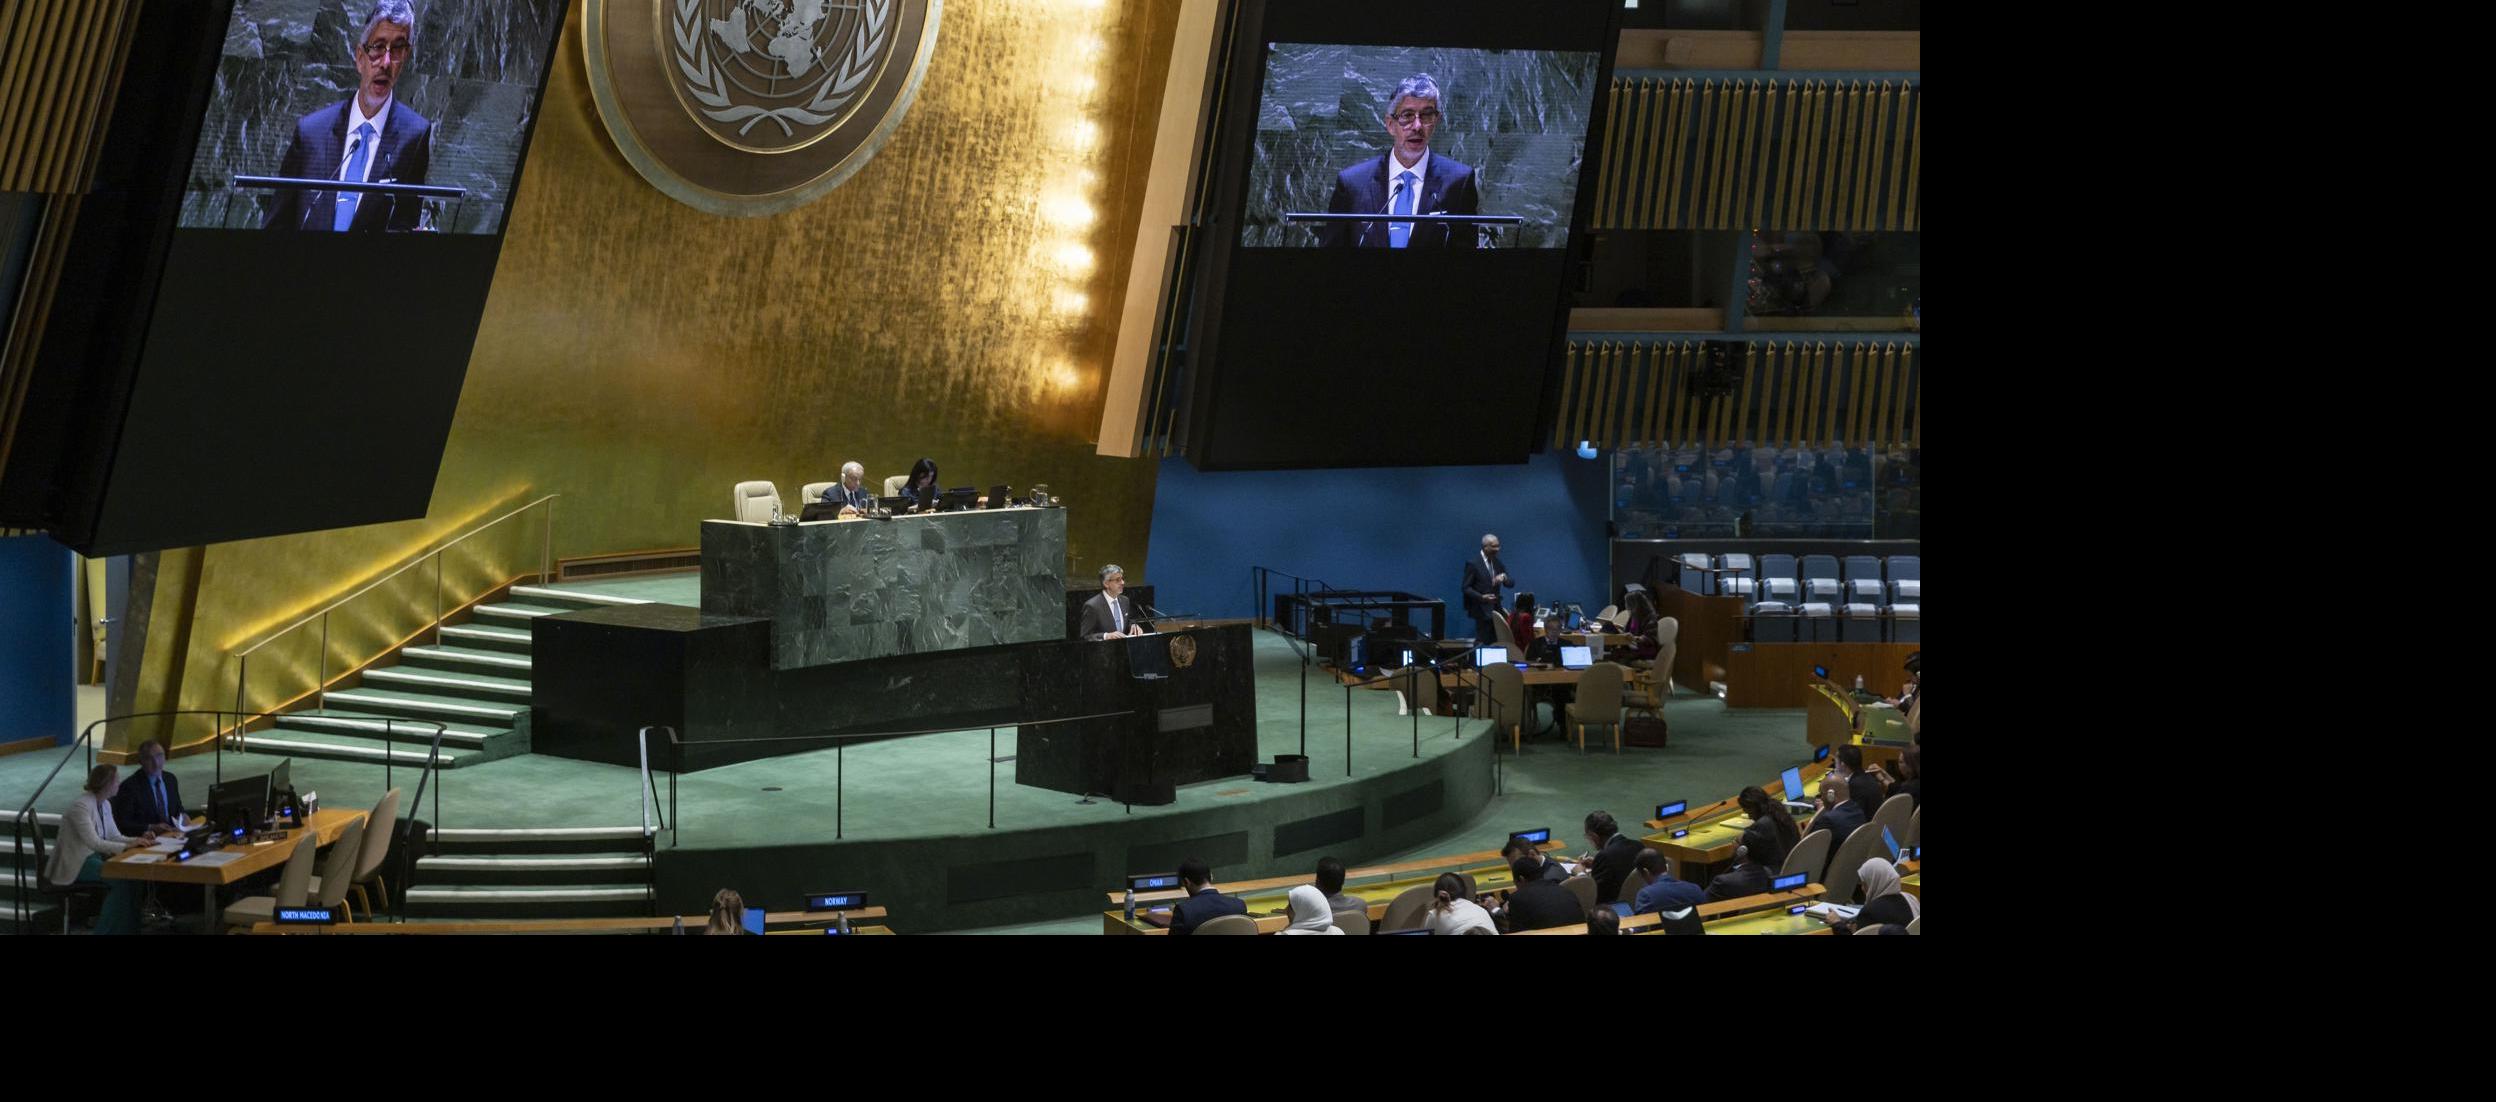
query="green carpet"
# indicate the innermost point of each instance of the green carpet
(938, 784)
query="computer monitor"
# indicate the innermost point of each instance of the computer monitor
(1577, 658)
(754, 920)
(997, 496)
(1794, 785)
(821, 510)
(1489, 656)
(893, 504)
(957, 499)
(282, 781)
(1891, 841)
(239, 803)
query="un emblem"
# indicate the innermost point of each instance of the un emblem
(752, 107)
(1182, 651)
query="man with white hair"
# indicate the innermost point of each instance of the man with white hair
(1111, 615)
(851, 494)
(1485, 576)
(370, 138)
(1407, 179)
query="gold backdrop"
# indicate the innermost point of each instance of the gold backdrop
(957, 298)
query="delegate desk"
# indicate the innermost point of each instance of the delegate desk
(1832, 717)
(660, 925)
(1719, 917)
(154, 867)
(1268, 900)
(1717, 828)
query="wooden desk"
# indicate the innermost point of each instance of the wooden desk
(657, 925)
(1709, 913)
(1713, 836)
(1377, 885)
(327, 824)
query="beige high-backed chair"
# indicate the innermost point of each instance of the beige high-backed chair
(294, 889)
(813, 492)
(893, 485)
(754, 502)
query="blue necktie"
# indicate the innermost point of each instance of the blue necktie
(354, 171)
(162, 811)
(1400, 232)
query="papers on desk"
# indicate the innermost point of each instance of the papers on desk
(1738, 822)
(220, 857)
(147, 858)
(1839, 909)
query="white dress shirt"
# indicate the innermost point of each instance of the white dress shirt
(356, 118)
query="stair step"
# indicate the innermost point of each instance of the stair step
(427, 706)
(447, 683)
(406, 731)
(342, 748)
(582, 841)
(504, 863)
(515, 614)
(488, 637)
(533, 870)
(485, 901)
(569, 598)
(468, 659)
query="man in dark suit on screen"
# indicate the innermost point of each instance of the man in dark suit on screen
(370, 138)
(1407, 179)
(1110, 615)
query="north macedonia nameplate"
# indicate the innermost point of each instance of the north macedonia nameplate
(753, 107)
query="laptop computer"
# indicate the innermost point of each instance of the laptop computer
(1577, 658)
(1489, 656)
(1794, 800)
(754, 920)
(820, 510)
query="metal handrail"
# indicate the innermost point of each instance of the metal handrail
(544, 567)
(320, 684)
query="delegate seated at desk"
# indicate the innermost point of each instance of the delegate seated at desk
(1203, 904)
(851, 493)
(922, 488)
(153, 799)
(88, 838)
(1111, 615)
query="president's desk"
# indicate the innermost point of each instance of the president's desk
(945, 622)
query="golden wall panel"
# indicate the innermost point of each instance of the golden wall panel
(957, 298)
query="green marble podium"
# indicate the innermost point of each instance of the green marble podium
(843, 591)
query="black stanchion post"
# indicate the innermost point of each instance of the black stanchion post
(840, 767)
(992, 778)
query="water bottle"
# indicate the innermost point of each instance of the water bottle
(1130, 905)
(842, 922)
(1858, 682)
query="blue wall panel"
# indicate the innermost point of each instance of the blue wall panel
(1407, 528)
(36, 640)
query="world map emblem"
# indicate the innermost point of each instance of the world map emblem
(751, 107)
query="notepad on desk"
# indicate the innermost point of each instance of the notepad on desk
(1738, 822)
(147, 858)
(220, 857)
(1840, 909)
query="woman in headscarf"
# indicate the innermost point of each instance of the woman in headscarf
(1884, 902)
(1310, 914)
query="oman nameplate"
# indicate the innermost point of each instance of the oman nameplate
(753, 107)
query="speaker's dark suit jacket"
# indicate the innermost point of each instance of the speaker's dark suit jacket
(859, 499)
(1096, 621)
(135, 808)
(1363, 188)
(320, 148)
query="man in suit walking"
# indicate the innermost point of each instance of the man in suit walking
(1485, 576)
(1407, 179)
(370, 138)
(1110, 615)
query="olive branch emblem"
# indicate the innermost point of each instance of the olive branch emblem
(708, 81)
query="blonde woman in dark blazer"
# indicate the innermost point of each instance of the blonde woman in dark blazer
(88, 838)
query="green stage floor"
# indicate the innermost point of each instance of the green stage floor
(937, 785)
